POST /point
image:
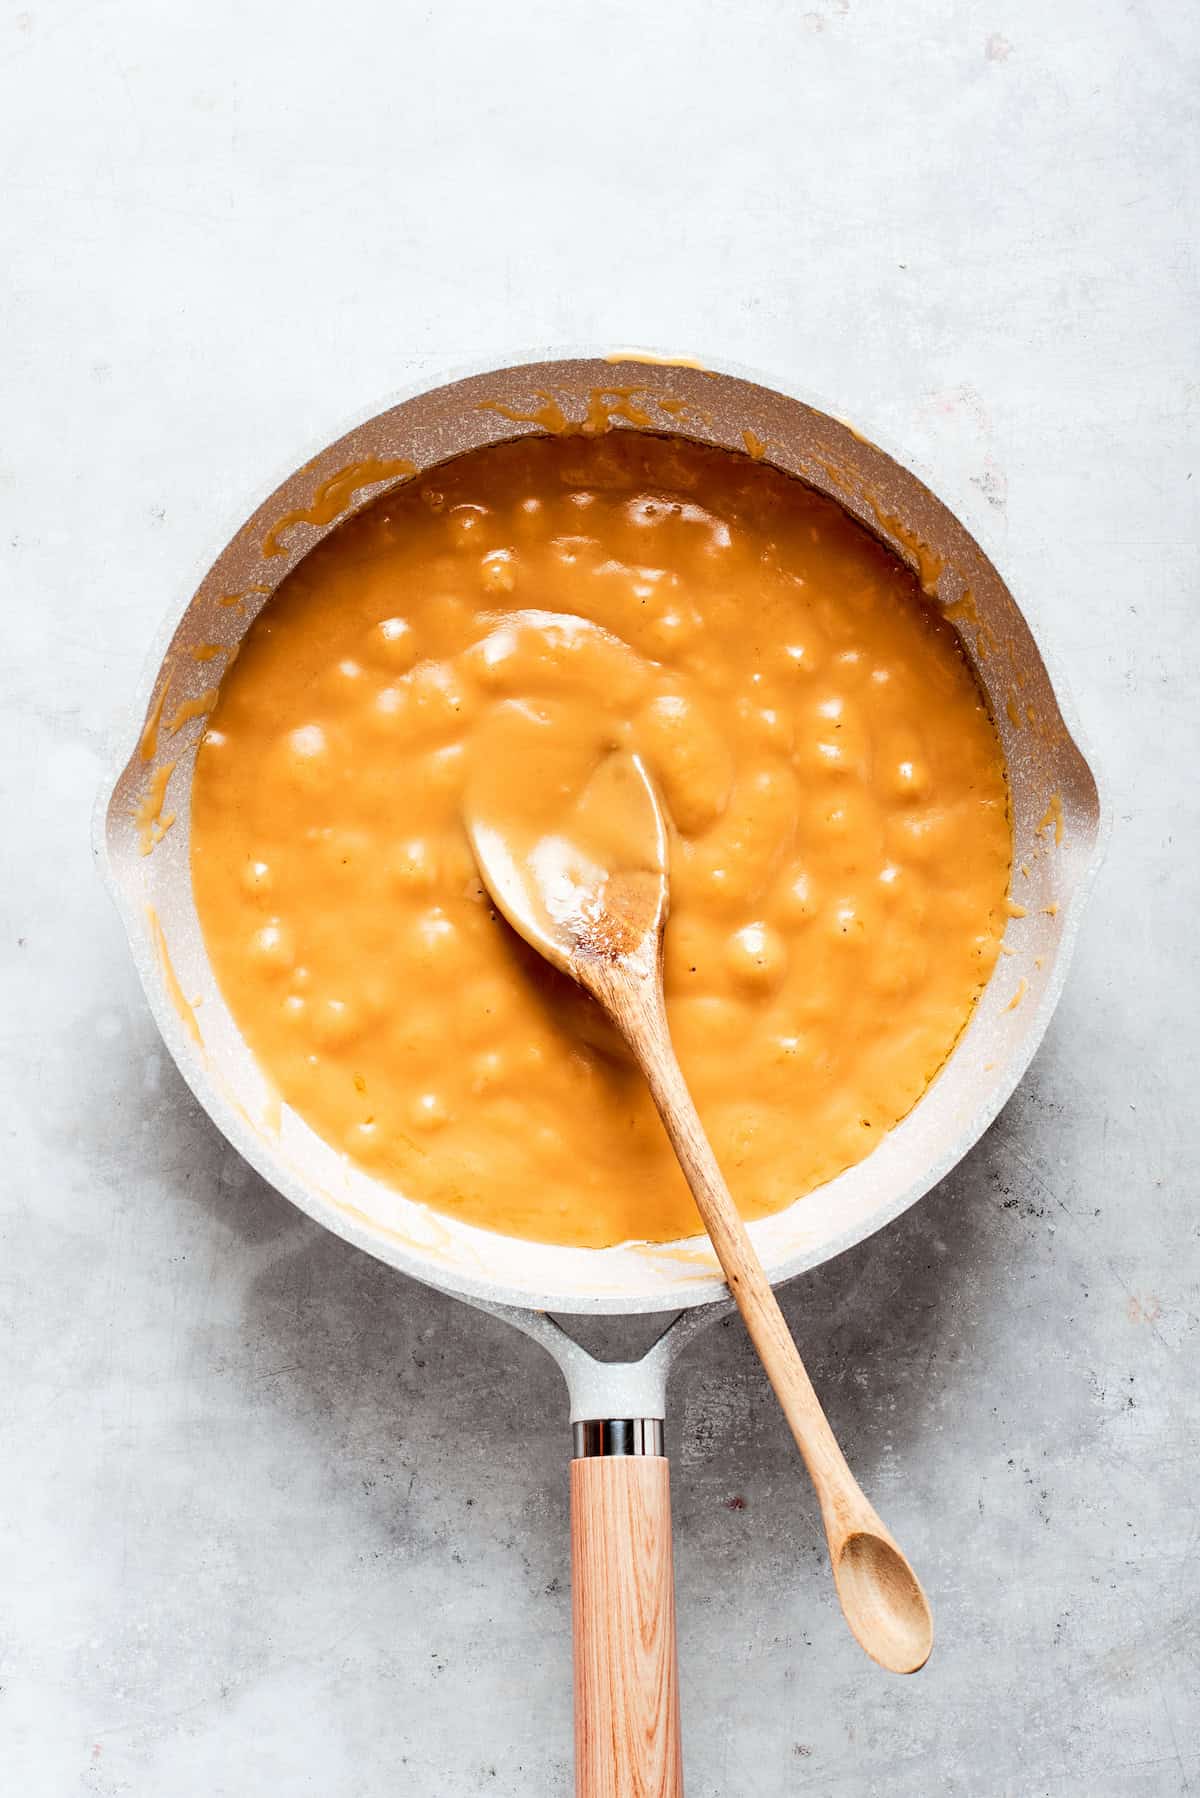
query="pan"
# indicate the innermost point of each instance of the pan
(627, 1712)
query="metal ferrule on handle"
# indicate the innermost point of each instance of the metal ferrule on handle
(618, 1436)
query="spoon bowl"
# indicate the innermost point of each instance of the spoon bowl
(585, 879)
(882, 1602)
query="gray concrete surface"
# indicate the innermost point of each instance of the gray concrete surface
(275, 1521)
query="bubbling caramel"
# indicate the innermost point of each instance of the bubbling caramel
(834, 788)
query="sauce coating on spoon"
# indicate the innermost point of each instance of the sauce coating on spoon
(577, 865)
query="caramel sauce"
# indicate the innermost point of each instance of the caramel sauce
(152, 826)
(148, 743)
(334, 495)
(175, 993)
(195, 707)
(929, 563)
(604, 404)
(834, 788)
(1053, 816)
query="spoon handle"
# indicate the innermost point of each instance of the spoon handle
(851, 1522)
(842, 1501)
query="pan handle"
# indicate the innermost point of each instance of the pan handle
(623, 1610)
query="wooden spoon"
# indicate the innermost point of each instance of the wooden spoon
(588, 890)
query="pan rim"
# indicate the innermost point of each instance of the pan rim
(682, 1294)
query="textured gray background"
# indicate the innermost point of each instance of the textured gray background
(275, 1521)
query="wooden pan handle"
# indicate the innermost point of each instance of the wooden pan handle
(623, 1607)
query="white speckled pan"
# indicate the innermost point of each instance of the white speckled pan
(627, 1718)
(1057, 817)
